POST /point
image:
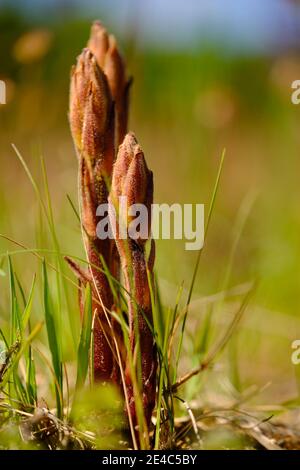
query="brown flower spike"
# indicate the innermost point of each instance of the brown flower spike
(132, 179)
(104, 47)
(98, 120)
(92, 126)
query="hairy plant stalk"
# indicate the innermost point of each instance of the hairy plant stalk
(132, 179)
(108, 57)
(92, 126)
(98, 120)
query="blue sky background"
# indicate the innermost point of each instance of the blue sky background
(260, 25)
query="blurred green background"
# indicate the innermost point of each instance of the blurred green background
(207, 76)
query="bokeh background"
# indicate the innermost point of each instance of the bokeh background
(208, 75)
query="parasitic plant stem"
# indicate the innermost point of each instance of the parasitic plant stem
(99, 98)
(134, 181)
(92, 126)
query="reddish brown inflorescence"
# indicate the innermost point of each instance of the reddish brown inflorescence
(134, 181)
(98, 120)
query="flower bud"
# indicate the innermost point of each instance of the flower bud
(91, 112)
(98, 42)
(131, 180)
(105, 49)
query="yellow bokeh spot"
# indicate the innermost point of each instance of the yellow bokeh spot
(32, 46)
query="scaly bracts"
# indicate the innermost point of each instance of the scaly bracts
(92, 126)
(134, 181)
(98, 120)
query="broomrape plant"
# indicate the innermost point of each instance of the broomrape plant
(98, 120)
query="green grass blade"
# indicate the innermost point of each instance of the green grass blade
(15, 313)
(53, 341)
(212, 204)
(31, 385)
(49, 217)
(85, 340)
(28, 307)
(211, 207)
(19, 388)
(74, 208)
(20, 349)
(60, 281)
(163, 373)
(20, 289)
